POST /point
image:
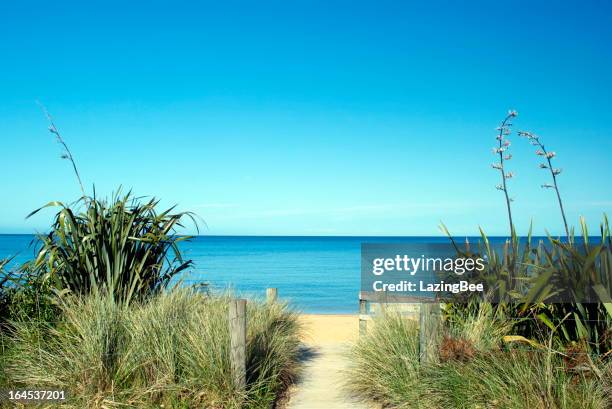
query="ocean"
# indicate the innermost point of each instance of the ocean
(316, 274)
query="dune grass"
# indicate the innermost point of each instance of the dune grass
(172, 350)
(473, 370)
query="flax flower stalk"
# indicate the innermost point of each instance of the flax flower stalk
(501, 150)
(554, 172)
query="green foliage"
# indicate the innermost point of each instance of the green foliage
(171, 350)
(507, 273)
(5, 302)
(386, 370)
(560, 286)
(126, 248)
(23, 296)
(32, 298)
(584, 270)
(5, 279)
(479, 323)
(515, 379)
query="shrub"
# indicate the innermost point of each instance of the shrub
(5, 279)
(22, 296)
(563, 286)
(584, 272)
(172, 350)
(126, 248)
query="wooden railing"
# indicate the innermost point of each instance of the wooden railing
(429, 325)
(428, 314)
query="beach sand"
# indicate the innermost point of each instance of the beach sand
(327, 339)
(330, 328)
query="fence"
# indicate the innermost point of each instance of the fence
(238, 331)
(429, 316)
(424, 310)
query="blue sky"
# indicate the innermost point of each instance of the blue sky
(313, 118)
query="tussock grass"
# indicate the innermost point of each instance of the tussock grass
(385, 363)
(172, 350)
(386, 370)
(481, 325)
(512, 379)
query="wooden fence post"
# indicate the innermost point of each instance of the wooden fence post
(237, 328)
(271, 294)
(363, 311)
(429, 325)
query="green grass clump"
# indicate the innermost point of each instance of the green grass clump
(512, 379)
(474, 370)
(172, 350)
(386, 363)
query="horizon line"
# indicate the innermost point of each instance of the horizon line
(325, 236)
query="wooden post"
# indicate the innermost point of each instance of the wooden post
(363, 311)
(271, 295)
(429, 325)
(237, 328)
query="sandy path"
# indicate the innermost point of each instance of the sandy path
(327, 339)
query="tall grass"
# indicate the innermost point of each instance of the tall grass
(172, 350)
(5, 303)
(514, 379)
(385, 363)
(474, 370)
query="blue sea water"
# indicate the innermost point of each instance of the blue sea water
(316, 274)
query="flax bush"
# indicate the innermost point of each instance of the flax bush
(125, 247)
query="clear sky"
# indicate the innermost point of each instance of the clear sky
(307, 117)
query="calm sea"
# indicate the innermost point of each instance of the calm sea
(317, 274)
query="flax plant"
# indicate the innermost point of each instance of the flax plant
(575, 280)
(124, 247)
(554, 172)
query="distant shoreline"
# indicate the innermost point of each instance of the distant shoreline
(254, 236)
